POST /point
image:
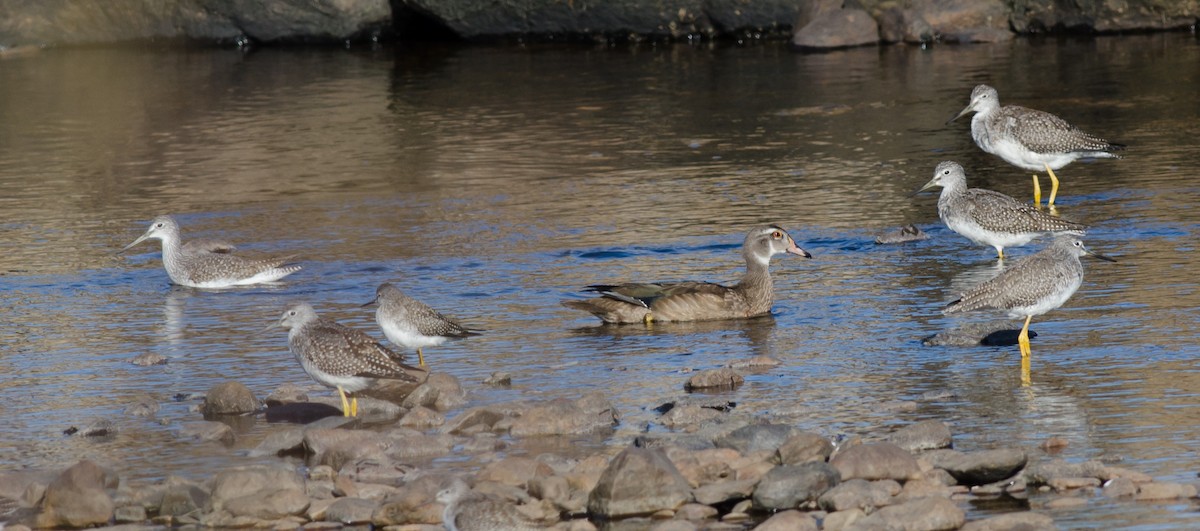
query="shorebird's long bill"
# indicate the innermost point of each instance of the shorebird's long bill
(269, 328)
(960, 114)
(931, 184)
(370, 302)
(1100, 256)
(140, 239)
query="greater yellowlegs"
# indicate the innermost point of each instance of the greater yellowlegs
(1033, 286)
(341, 357)
(1030, 139)
(990, 218)
(697, 301)
(209, 263)
(410, 323)
(466, 510)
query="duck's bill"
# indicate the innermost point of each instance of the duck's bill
(794, 249)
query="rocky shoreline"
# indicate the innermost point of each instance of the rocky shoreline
(709, 466)
(816, 24)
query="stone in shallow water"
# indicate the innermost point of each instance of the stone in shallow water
(204, 430)
(787, 486)
(147, 359)
(1165, 491)
(77, 498)
(991, 333)
(757, 437)
(920, 514)
(723, 378)
(229, 398)
(142, 406)
(979, 468)
(924, 435)
(858, 494)
(804, 447)
(1022, 521)
(875, 461)
(638, 481)
(905, 234)
(788, 521)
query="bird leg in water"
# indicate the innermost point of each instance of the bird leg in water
(1037, 192)
(1026, 376)
(1023, 339)
(420, 357)
(345, 403)
(1053, 186)
(354, 406)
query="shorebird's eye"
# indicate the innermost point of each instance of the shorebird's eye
(159, 225)
(291, 313)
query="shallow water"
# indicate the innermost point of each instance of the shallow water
(494, 182)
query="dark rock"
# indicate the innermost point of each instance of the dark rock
(978, 468)
(922, 514)
(788, 486)
(905, 234)
(924, 435)
(757, 437)
(302, 412)
(677, 19)
(589, 414)
(788, 521)
(858, 494)
(723, 378)
(229, 398)
(499, 379)
(142, 406)
(1022, 521)
(96, 428)
(839, 29)
(1103, 16)
(875, 461)
(286, 394)
(77, 498)
(147, 359)
(638, 481)
(990, 333)
(207, 431)
(804, 447)
(369, 409)
(966, 20)
(904, 25)
(351, 511)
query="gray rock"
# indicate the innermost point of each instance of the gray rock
(287, 393)
(381, 470)
(1164, 491)
(757, 437)
(269, 504)
(723, 491)
(905, 234)
(788, 486)
(95, 428)
(904, 25)
(515, 471)
(407, 444)
(142, 406)
(128, 514)
(1022, 521)
(722, 378)
(858, 494)
(1120, 487)
(209, 431)
(147, 359)
(77, 498)
(686, 441)
(638, 481)
(589, 414)
(441, 392)
(979, 468)
(281, 441)
(804, 447)
(838, 29)
(256, 483)
(922, 514)
(475, 420)
(229, 398)
(688, 414)
(924, 435)
(757, 363)
(351, 511)
(181, 497)
(788, 521)
(875, 461)
(473, 19)
(1043, 472)
(374, 410)
(335, 447)
(842, 519)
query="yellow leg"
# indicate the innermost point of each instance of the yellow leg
(1000, 252)
(354, 406)
(1037, 192)
(420, 357)
(345, 403)
(648, 318)
(1053, 185)
(1026, 373)
(1023, 339)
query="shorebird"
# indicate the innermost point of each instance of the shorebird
(1030, 139)
(697, 301)
(990, 218)
(341, 357)
(209, 263)
(1033, 286)
(466, 510)
(410, 323)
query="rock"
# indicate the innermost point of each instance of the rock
(128, 514)
(335, 447)
(1061, 484)
(922, 514)
(351, 511)
(757, 437)
(286, 394)
(875, 461)
(966, 20)
(247, 486)
(1112, 472)
(1042, 472)
(1120, 487)
(838, 29)
(619, 17)
(638, 481)
(303, 412)
(499, 379)
(407, 444)
(516, 471)
(181, 497)
(724, 491)
(207, 431)
(979, 468)
(907, 233)
(924, 435)
(687, 415)
(475, 420)
(1165, 491)
(991, 333)
(268, 504)
(1065, 502)
(440, 391)
(142, 406)
(695, 511)
(755, 363)
(1022, 521)
(702, 467)
(589, 414)
(804, 447)
(858, 494)
(554, 489)
(842, 519)
(787, 486)
(381, 470)
(77, 498)
(903, 25)
(229, 398)
(788, 521)
(723, 378)
(281, 441)
(147, 359)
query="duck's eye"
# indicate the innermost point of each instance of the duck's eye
(777, 235)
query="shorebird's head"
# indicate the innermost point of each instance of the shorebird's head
(161, 228)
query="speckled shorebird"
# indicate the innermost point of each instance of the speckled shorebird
(466, 510)
(1033, 286)
(209, 263)
(410, 323)
(697, 301)
(1030, 139)
(341, 357)
(990, 218)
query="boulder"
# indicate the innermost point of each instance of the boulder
(858, 494)
(209, 431)
(979, 468)
(804, 447)
(922, 514)
(788, 486)
(723, 378)
(757, 437)
(838, 29)
(788, 521)
(875, 461)
(589, 414)
(77, 498)
(1022, 521)
(924, 435)
(229, 398)
(638, 481)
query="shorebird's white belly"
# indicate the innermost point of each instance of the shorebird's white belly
(409, 338)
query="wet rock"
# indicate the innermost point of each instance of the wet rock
(516, 471)
(923, 514)
(475, 420)
(1054, 444)
(875, 461)
(589, 414)
(1112, 472)
(554, 489)
(688, 415)
(1165, 491)
(303, 412)
(1062, 484)
(142, 406)
(702, 467)
(967, 20)
(499, 379)
(351, 511)
(804, 447)
(335, 447)
(483, 443)
(838, 29)
(407, 444)
(207, 431)
(381, 470)
(1022, 521)
(229, 398)
(788, 521)
(411, 504)
(858, 494)
(370, 409)
(1042, 472)
(907, 233)
(666, 440)
(128, 514)
(147, 359)
(286, 394)
(755, 363)
(638, 481)
(181, 497)
(924, 435)
(269, 504)
(979, 468)
(266, 492)
(695, 511)
(440, 391)
(281, 441)
(96, 428)
(787, 486)
(723, 378)
(77, 498)
(1120, 487)
(757, 437)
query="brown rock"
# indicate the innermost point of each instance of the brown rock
(77, 498)
(638, 481)
(336, 447)
(1165, 491)
(589, 414)
(804, 448)
(924, 435)
(229, 398)
(858, 494)
(788, 521)
(787, 486)
(421, 417)
(210, 431)
(838, 29)
(714, 378)
(1022, 521)
(924, 514)
(875, 461)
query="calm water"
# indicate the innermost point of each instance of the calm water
(494, 182)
